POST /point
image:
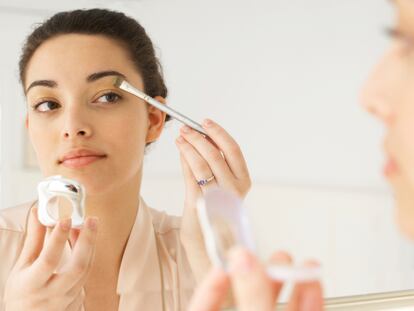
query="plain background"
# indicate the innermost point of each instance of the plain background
(283, 78)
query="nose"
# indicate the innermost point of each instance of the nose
(375, 100)
(75, 124)
(80, 132)
(378, 94)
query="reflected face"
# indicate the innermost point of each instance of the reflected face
(389, 95)
(80, 125)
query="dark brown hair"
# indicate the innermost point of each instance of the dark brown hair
(112, 24)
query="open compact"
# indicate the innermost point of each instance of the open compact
(61, 198)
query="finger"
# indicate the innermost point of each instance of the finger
(193, 191)
(198, 165)
(306, 296)
(211, 293)
(229, 147)
(50, 256)
(252, 287)
(211, 154)
(73, 237)
(190, 224)
(77, 268)
(33, 243)
(279, 258)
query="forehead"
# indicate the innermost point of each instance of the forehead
(75, 56)
(405, 10)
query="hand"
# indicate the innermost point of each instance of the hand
(252, 288)
(34, 284)
(201, 157)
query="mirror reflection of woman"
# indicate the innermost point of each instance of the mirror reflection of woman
(127, 256)
(389, 96)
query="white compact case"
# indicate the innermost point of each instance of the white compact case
(50, 190)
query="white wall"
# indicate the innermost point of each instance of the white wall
(283, 77)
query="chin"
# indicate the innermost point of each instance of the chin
(405, 217)
(95, 185)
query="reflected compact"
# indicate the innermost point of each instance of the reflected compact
(225, 224)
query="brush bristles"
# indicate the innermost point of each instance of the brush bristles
(118, 81)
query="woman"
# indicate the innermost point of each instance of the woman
(389, 96)
(127, 256)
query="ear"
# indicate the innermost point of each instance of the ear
(26, 122)
(156, 121)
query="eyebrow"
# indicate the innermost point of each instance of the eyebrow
(101, 74)
(91, 78)
(46, 83)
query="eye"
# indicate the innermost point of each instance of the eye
(110, 97)
(46, 106)
(406, 43)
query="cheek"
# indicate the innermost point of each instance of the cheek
(128, 138)
(44, 145)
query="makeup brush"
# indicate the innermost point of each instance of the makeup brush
(124, 85)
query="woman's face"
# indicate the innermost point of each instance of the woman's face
(80, 125)
(389, 95)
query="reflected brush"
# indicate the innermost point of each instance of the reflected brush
(124, 85)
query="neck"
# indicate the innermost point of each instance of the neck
(116, 211)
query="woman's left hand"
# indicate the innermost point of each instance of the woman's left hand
(252, 288)
(201, 159)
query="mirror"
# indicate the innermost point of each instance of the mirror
(59, 207)
(283, 77)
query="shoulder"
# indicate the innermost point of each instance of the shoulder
(14, 219)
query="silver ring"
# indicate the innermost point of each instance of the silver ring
(203, 182)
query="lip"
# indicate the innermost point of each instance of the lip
(390, 167)
(80, 157)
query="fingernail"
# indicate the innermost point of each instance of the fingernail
(241, 261)
(180, 140)
(208, 123)
(186, 129)
(311, 298)
(92, 223)
(281, 258)
(311, 263)
(65, 224)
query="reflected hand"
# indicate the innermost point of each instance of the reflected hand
(252, 288)
(33, 283)
(220, 156)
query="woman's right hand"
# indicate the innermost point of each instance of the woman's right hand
(34, 284)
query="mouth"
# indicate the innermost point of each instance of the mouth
(390, 167)
(80, 158)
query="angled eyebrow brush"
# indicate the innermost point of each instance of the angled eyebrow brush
(124, 85)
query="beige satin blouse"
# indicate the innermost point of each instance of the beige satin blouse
(140, 281)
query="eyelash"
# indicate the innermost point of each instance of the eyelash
(118, 97)
(400, 36)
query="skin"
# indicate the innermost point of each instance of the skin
(76, 113)
(389, 96)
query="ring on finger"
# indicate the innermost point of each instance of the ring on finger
(203, 182)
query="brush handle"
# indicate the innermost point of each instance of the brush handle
(164, 108)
